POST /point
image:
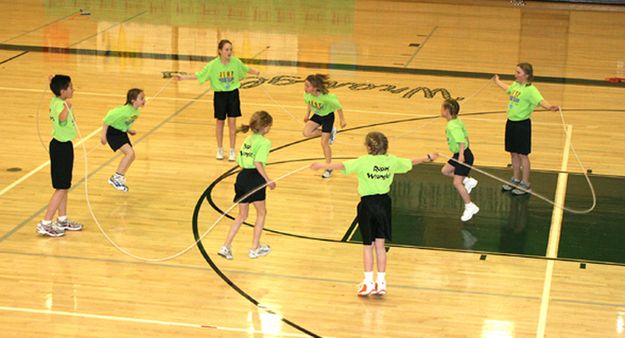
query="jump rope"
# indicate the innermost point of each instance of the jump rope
(515, 186)
(206, 232)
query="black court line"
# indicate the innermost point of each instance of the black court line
(233, 170)
(302, 64)
(196, 236)
(116, 155)
(42, 26)
(26, 51)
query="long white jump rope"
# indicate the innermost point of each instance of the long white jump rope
(180, 253)
(552, 202)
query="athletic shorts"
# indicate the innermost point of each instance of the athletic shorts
(519, 137)
(227, 104)
(459, 169)
(116, 138)
(326, 122)
(247, 181)
(61, 163)
(374, 218)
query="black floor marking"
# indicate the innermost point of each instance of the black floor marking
(302, 64)
(228, 281)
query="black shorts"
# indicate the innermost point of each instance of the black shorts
(61, 163)
(248, 180)
(519, 137)
(374, 218)
(227, 104)
(459, 169)
(116, 138)
(326, 122)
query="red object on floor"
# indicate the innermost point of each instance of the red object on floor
(616, 79)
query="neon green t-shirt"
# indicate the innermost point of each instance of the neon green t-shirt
(122, 117)
(523, 100)
(255, 148)
(456, 133)
(323, 104)
(223, 78)
(376, 172)
(62, 131)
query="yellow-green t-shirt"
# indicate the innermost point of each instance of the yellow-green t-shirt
(376, 172)
(62, 131)
(122, 117)
(323, 104)
(223, 78)
(456, 133)
(255, 148)
(523, 99)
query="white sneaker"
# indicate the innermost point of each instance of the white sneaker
(262, 250)
(220, 154)
(380, 288)
(332, 136)
(118, 182)
(327, 173)
(232, 156)
(469, 210)
(365, 289)
(225, 253)
(469, 183)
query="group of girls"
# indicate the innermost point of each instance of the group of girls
(375, 171)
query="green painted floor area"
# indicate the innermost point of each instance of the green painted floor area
(427, 209)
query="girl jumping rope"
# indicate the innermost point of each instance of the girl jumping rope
(323, 105)
(115, 130)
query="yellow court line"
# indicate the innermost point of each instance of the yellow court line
(43, 165)
(147, 321)
(554, 235)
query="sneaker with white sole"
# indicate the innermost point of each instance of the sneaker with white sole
(510, 187)
(469, 183)
(232, 156)
(469, 210)
(225, 252)
(68, 224)
(220, 154)
(380, 288)
(327, 173)
(118, 182)
(332, 136)
(524, 185)
(262, 250)
(49, 230)
(366, 288)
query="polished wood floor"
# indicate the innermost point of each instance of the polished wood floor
(80, 285)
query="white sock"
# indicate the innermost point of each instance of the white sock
(469, 205)
(369, 277)
(381, 277)
(62, 218)
(44, 222)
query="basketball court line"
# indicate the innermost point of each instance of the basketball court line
(115, 156)
(554, 236)
(313, 65)
(40, 27)
(146, 321)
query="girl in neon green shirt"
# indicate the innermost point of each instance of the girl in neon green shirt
(524, 97)
(225, 73)
(375, 173)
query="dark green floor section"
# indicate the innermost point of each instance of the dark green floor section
(599, 235)
(427, 209)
